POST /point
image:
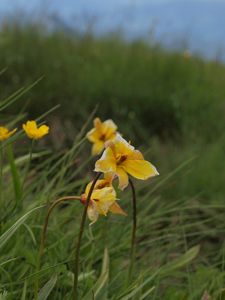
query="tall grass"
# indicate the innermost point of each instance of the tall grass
(171, 104)
(165, 93)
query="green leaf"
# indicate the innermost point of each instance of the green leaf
(23, 297)
(13, 98)
(9, 233)
(102, 280)
(47, 288)
(138, 287)
(181, 261)
(3, 295)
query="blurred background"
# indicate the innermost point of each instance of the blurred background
(155, 67)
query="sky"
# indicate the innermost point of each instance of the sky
(195, 24)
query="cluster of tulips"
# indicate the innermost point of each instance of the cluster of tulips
(118, 159)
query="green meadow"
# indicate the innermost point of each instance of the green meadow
(169, 106)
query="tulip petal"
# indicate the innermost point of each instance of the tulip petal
(103, 198)
(108, 129)
(97, 123)
(97, 148)
(105, 194)
(102, 132)
(122, 146)
(136, 155)
(123, 178)
(109, 177)
(92, 213)
(93, 135)
(116, 209)
(107, 162)
(141, 169)
(101, 183)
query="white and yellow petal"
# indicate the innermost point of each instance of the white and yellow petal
(116, 209)
(123, 178)
(92, 213)
(97, 147)
(140, 169)
(107, 162)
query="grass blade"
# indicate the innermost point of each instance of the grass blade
(10, 232)
(47, 288)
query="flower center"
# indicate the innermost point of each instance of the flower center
(102, 137)
(120, 159)
(102, 185)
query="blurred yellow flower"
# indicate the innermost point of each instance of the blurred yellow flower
(187, 54)
(101, 133)
(5, 133)
(34, 132)
(103, 200)
(120, 159)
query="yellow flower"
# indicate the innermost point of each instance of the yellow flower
(34, 132)
(5, 133)
(187, 54)
(103, 200)
(120, 159)
(101, 133)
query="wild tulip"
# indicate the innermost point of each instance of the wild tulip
(103, 200)
(121, 159)
(101, 133)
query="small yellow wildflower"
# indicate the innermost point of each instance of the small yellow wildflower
(101, 133)
(120, 159)
(103, 200)
(5, 133)
(34, 132)
(187, 54)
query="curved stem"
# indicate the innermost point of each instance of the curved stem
(43, 236)
(77, 251)
(134, 228)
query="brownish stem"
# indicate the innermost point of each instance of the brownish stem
(77, 251)
(134, 228)
(43, 236)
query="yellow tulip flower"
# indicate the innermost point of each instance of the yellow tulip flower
(5, 133)
(120, 159)
(101, 133)
(34, 132)
(103, 200)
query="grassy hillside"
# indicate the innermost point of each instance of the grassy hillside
(170, 104)
(164, 92)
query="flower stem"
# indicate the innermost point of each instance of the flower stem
(134, 228)
(43, 237)
(15, 174)
(77, 251)
(26, 171)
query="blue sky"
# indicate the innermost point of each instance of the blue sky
(196, 24)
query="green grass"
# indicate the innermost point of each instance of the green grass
(171, 106)
(165, 93)
(171, 227)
